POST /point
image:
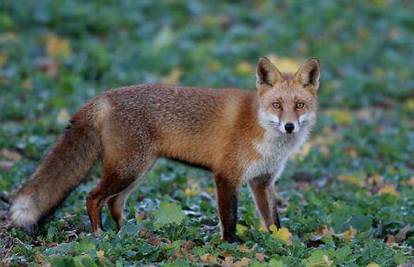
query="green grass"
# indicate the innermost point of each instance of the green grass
(55, 55)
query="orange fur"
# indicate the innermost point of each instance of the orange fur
(223, 130)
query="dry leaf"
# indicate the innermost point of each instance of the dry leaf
(282, 234)
(57, 47)
(244, 68)
(342, 117)
(100, 253)
(352, 179)
(388, 189)
(63, 117)
(228, 261)
(209, 258)
(3, 59)
(260, 256)
(349, 234)
(10, 154)
(373, 264)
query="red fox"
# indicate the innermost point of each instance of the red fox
(239, 135)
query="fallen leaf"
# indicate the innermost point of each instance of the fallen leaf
(263, 229)
(349, 234)
(373, 264)
(352, 179)
(282, 234)
(241, 229)
(342, 117)
(63, 117)
(100, 253)
(57, 47)
(209, 258)
(388, 189)
(260, 256)
(10, 154)
(244, 68)
(3, 59)
(228, 261)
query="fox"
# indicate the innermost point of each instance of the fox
(241, 136)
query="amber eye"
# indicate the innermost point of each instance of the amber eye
(276, 105)
(300, 105)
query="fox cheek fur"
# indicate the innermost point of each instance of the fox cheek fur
(230, 132)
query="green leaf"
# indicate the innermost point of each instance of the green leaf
(168, 213)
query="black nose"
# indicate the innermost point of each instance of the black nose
(289, 127)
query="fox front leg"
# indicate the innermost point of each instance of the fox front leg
(227, 199)
(263, 193)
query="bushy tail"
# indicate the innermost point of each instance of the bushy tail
(58, 174)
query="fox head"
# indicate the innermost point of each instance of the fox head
(287, 102)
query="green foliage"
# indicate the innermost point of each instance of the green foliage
(347, 200)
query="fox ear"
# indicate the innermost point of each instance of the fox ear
(309, 73)
(267, 75)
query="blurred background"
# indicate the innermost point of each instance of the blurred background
(55, 55)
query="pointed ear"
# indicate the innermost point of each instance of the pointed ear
(309, 73)
(267, 75)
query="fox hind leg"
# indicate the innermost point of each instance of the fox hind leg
(115, 186)
(116, 204)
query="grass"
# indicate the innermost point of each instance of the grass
(346, 200)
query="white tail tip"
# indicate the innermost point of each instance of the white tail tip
(23, 213)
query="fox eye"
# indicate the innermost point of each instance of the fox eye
(300, 105)
(276, 105)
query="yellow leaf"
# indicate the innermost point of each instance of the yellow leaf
(3, 59)
(100, 253)
(325, 231)
(388, 189)
(409, 105)
(285, 64)
(241, 229)
(262, 229)
(228, 261)
(273, 228)
(373, 264)
(208, 258)
(173, 77)
(376, 180)
(243, 248)
(349, 234)
(342, 117)
(193, 189)
(244, 68)
(57, 47)
(214, 65)
(63, 117)
(283, 234)
(352, 179)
